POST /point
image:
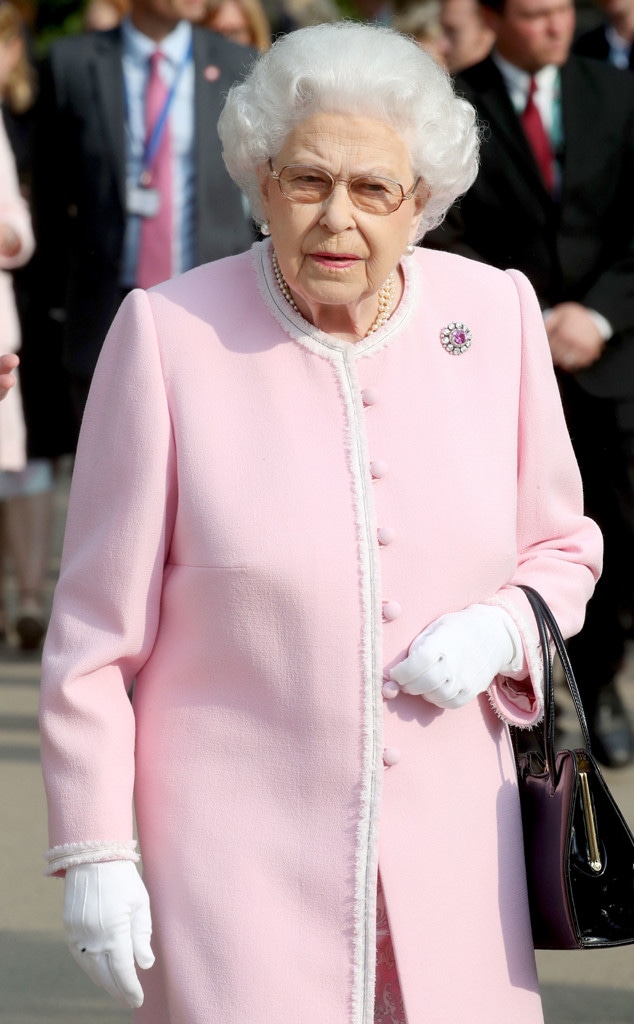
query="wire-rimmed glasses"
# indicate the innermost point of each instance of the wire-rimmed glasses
(370, 193)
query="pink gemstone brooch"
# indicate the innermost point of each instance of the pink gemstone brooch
(455, 338)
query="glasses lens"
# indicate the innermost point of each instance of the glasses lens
(376, 195)
(305, 184)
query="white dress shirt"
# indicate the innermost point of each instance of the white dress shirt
(620, 48)
(547, 96)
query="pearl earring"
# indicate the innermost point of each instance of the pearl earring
(410, 249)
(264, 228)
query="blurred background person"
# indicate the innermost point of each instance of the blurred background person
(17, 90)
(468, 39)
(17, 77)
(242, 21)
(421, 21)
(614, 40)
(19, 480)
(27, 495)
(129, 184)
(554, 199)
(101, 15)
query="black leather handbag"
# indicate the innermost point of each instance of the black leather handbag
(579, 850)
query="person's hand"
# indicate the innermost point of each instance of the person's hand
(574, 338)
(8, 363)
(459, 655)
(10, 243)
(108, 926)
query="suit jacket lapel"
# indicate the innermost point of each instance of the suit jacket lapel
(108, 72)
(603, 49)
(494, 105)
(580, 105)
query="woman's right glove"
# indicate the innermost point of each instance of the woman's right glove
(108, 926)
(459, 655)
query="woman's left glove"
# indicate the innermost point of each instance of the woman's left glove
(459, 655)
(108, 926)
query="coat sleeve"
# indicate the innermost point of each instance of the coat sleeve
(559, 549)
(106, 606)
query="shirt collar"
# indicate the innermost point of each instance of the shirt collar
(617, 42)
(518, 79)
(140, 47)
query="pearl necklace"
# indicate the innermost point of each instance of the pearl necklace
(385, 297)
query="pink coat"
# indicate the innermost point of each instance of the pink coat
(14, 213)
(248, 494)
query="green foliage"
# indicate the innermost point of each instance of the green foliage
(349, 9)
(56, 18)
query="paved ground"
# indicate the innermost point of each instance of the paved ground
(39, 982)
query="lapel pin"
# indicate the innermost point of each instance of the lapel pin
(211, 73)
(455, 338)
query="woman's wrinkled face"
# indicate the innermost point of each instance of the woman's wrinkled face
(331, 252)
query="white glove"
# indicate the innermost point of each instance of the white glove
(459, 655)
(108, 926)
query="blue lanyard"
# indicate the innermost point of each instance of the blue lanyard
(153, 142)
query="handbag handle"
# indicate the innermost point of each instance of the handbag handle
(546, 623)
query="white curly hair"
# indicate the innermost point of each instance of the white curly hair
(360, 70)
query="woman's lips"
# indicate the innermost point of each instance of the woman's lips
(338, 260)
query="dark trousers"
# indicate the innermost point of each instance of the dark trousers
(602, 434)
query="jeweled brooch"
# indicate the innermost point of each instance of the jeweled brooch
(455, 338)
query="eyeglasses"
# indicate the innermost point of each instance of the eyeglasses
(303, 184)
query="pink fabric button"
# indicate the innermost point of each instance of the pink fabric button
(391, 755)
(390, 689)
(370, 396)
(378, 468)
(385, 535)
(391, 610)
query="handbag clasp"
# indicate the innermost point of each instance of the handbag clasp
(584, 768)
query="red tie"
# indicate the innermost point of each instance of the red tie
(155, 247)
(536, 134)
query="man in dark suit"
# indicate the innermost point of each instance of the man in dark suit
(554, 198)
(93, 188)
(614, 40)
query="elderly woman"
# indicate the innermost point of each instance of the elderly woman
(309, 481)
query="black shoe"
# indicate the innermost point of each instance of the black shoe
(611, 732)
